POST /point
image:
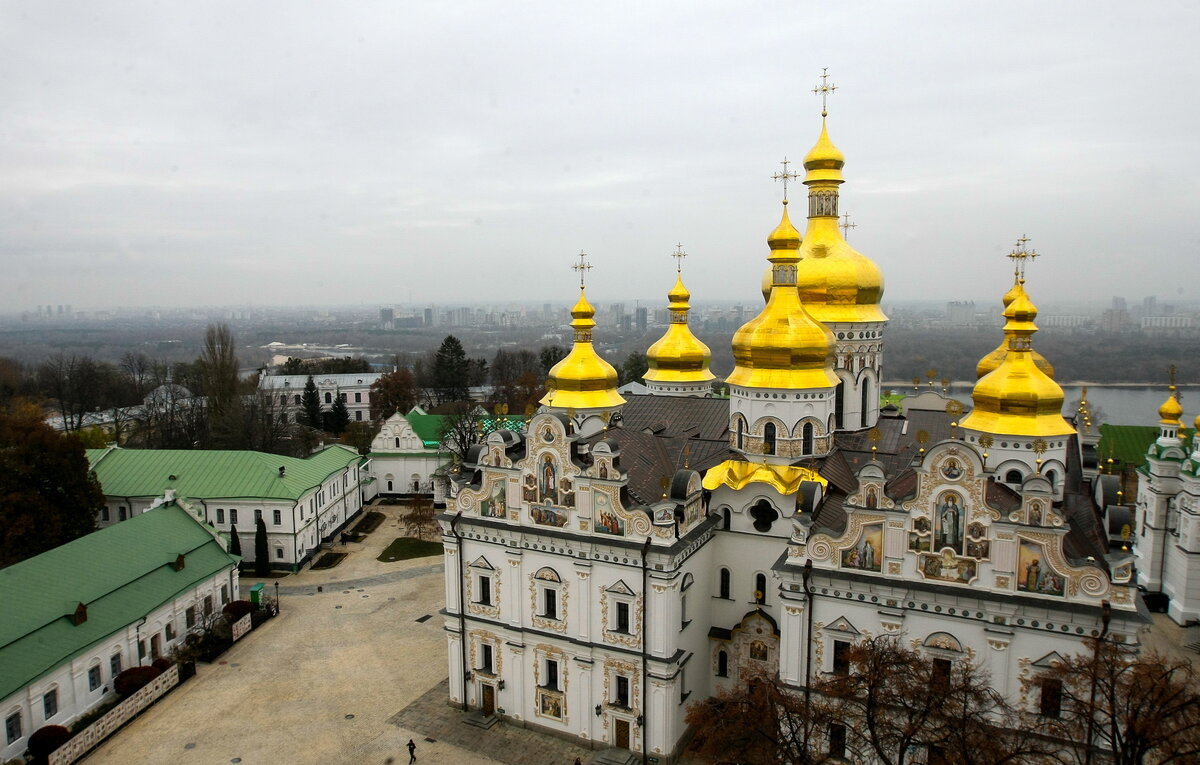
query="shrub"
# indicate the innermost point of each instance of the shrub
(134, 679)
(91, 716)
(46, 739)
(237, 609)
(161, 664)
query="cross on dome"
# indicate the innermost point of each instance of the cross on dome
(1020, 255)
(785, 176)
(679, 255)
(582, 267)
(824, 89)
(847, 225)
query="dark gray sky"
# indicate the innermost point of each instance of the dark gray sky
(281, 152)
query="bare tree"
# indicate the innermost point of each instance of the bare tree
(461, 427)
(420, 517)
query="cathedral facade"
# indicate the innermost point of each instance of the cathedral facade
(621, 559)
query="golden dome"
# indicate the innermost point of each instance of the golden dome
(1171, 412)
(582, 380)
(1017, 398)
(784, 346)
(990, 362)
(678, 356)
(837, 283)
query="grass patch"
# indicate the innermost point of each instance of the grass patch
(369, 523)
(328, 560)
(404, 548)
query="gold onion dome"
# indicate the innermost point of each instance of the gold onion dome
(837, 283)
(582, 380)
(991, 361)
(678, 356)
(784, 346)
(1018, 398)
(1171, 412)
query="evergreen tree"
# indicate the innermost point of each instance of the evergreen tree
(551, 355)
(337, 418)
(311, 414)
(634, 368)
(451, 371)
(262, 560)
(235, 542)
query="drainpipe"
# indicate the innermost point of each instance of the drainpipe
(806, 575)
(645, 629)
(462, 607)
(1105, 618)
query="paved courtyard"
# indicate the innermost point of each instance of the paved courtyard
(329, 680)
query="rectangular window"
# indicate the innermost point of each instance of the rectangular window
(358, 398)
(220, 515)
(224, 594)
(552, 674)
(257, 515)
(233, 515)
(279, 553)
(550, 603)
(622, 699)
(837, 741)
(941, 673)
(50, 703)
(276, 517)
(208, 608)
(1050, 704)
(841, 663)
(358, 415)
(94, 677)
(141, 649)
(623, 618)
(104, 513)
(486, 658)
(12, 727)
(169, 631)
(189, 617)
(114, 665)
(485, 590)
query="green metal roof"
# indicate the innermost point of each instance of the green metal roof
(215, 474)
(1128, 444)
(121, 573)
(428, 427)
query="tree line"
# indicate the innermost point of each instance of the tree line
(891, 704)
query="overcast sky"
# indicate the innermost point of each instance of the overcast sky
(266, 153)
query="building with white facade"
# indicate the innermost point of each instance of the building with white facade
(287, 392)
(407, 456)
(621, 559)
(302, 502)
(74, 617)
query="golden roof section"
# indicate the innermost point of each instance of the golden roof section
(1171, 411)
(1017, 398)
(678, 356)
(736, 474)
(784, 346)
(837, 283)
(582, 380)
(993, 360)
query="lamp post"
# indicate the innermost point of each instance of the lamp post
(276, 598)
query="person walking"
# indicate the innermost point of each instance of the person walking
(412, 752)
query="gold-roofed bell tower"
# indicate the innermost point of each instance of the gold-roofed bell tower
(781, 390)
(582, 384)
(840, 286)
(678, 363)
(989, 362)
(1017, 404)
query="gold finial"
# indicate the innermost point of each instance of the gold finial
(824, 89)
(679, 255)
(582, 267)
(1020, 255)
(785, 176)
(1039, 448)
(847, 225)
(687, 456)
(1172, 373)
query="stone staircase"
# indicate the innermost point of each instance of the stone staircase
(479, 720)
(616, 757)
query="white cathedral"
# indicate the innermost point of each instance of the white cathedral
(621, 559)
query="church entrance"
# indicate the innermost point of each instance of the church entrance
(489, 699)
(621, 733)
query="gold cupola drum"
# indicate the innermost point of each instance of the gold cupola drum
(678, 363)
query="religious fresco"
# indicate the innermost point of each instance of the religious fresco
(758, 651)
(607, 521)
(547, 479)
(548, 515)
(529, 488)
(494, 506)
(952, 470)
(947, 567)
(872, 500)
(948, 522)
(1034, 573)
(867, 554)
(550, 704)
(566, 493)
(920, 542)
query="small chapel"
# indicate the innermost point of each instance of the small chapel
(626, 556)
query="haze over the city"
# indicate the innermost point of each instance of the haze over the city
(276, 153)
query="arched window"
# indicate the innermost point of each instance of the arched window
(328, 398)
(769, 438)
(1052, 477)
(1012, 476)
(389, 486)
(839, 406)
(866, 403)
(806, 438)
(741, 433)
(723, 587)
(726, 518)
(760, 589)
(722, 664)
(397, 442)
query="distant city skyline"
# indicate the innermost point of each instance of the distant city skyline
(411, 154)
